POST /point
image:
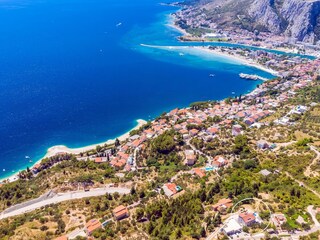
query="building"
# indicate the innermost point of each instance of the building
(212, 131)
(120, 212)
(278, 219)
(199, 172)
(171, 189)
(219, 161)
(193, 132)
(190, 157)
(300, 220)
(236, 130)
(265, 172)
(232, 227)
(36, 168)
(261, 144)
(61, 238)
(92, 225)
(247, 219)
(249, 121)
(214, 35)
(100, 159)
(222, 204)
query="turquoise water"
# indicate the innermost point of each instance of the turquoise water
(72, 75)
(208, 169)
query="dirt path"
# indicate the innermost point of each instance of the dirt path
(303, 184)
(308, 172)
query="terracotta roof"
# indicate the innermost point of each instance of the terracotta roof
(120, 211)
(172, 187)
(213, 130)
(219, 161)
(174, 111)
(122, 155)
(37, 166)
(183, 131)
(61, 238)
(247, 217)
(199, 172)
(136, 143)
(194, 131)
(98, 160)
(223, 202)
(93, 225)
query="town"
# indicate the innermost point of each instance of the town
(198, 155)
(197, 26)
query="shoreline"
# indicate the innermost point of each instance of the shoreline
(64, 149)
(52, 151)
(186, 34)
(237, 58)
(234, 58)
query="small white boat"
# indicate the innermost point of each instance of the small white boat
(27, 157)
(3, 170)
(181, 54)
(119, 24)
(30, 161)
(233, 93)
(212, 75)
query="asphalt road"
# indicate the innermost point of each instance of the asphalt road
(48, 199)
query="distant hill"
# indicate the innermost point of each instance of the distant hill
(299, 19)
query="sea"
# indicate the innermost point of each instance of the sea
(80, 72)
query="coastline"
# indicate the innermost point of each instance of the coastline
(186, 34)
(237, 58)
(52, 151)
(233, 58)
(171, 24)
(64, 149)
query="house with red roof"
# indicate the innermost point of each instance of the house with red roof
(249, 121)
(171, 189)
(120, 212)
(177, 127)
(136, 143)
(219, 161)
(240, 115)
(247, 219)
(222, 204)
(123, 155)
(193, 132)
(100, 159)
(183, 131)
(61, 238)
(199, 172)
(36, 168)
(92, 225)
(174, 112)
(212, 130)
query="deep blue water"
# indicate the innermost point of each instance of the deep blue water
(69, 75)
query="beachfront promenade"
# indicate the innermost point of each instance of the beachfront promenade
(54, 198)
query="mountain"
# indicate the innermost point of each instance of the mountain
(297, 19)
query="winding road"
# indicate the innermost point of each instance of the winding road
(52, 198)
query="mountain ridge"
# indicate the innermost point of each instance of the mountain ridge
(298, 20)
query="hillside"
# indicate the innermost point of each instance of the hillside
(296, 19)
